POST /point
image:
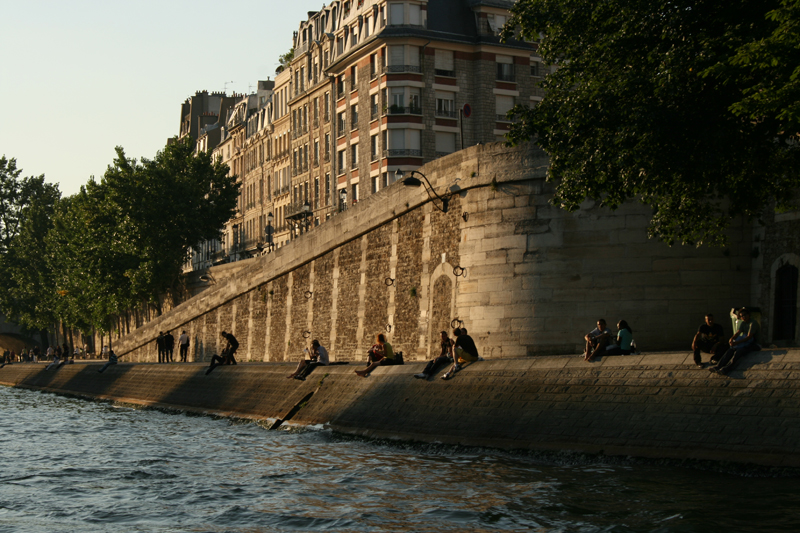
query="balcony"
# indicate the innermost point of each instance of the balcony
(505, 76)
(400, 110)
(445, 73)
(402, 152)
(403, 68)
(446, 113)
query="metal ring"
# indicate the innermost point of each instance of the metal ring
(388, 328)
(306, 334)
(458, 271)
(456, 323)
(465, 216)
(389, 282)
(308, 294)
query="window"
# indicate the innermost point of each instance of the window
(385, 179)
(327, 146)
(373, 65)
(444, 63)
(354, 156)
(316, 191)
(414, 16)
(355, 192)
(340, 85)
(375, 184)
(503, 105)
(353, 78)
(373, 105)
(396, 14)
(373, 144)
(415, 107)
(327, 188)
(496, 22)
(342, 121)
(445, 143)
(354, 116)
(366, 27)
(316, 153)
(505, 68)
(327, 106)
(341, 162)
(398, 98)
(397, 56)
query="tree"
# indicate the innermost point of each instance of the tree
(689, 106)
(123, 241)
(25, 283)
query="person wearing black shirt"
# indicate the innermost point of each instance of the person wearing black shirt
(227, 357)
(169, 346)
(710, 338)
(464, 351)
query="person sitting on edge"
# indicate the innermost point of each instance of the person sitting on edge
(227, 357)
(596, 340)
(742, 343)
(445, 356)
(464, 351)
(381, 354)
(624, 340)
(709, 339)
(56, 359)
(112, 360)
(319, 357)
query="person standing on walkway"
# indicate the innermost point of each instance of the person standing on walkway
(183, 342)
(160, 346)
(169, 347)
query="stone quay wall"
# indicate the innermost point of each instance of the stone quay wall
(655, 405)
(525, 277)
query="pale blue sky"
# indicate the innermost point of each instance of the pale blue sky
(81, 77)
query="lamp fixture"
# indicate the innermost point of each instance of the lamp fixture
(411, 181)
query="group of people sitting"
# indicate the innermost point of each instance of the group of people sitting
(710, 338)
(725, 355)
(600, 341)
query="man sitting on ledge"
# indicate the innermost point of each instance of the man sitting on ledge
(227, 357)
(596, 340)
(709, 339)
(319, 357)
(381, 354)
(464, 351)
(742, 343)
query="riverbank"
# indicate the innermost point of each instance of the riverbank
(655, 405)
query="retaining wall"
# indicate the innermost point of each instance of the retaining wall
(524, 276)
(656, 405)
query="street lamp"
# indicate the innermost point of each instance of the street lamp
(268, 232)
(306, 212)
(411, 181)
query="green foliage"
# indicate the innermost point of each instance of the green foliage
(115, 244)
(687, 106)
(285, 60)
(26, 286)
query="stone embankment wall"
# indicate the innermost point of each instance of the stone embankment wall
(523, 276)
(656, 405)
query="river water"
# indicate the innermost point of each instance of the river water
(69, 465)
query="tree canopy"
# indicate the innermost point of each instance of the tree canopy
(118, 242)
(690, 106)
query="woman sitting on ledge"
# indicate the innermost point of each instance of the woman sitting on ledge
(624, 340)
(381, 354)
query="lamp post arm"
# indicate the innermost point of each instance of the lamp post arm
(430, 190)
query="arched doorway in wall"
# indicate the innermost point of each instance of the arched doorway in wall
(784, 316)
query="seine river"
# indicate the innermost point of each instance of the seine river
(72, 465)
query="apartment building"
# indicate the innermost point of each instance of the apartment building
(374, 86)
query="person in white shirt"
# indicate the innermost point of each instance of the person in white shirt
(596, 340)
(319, 357)
(183, 342)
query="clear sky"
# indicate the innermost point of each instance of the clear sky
(80, 77)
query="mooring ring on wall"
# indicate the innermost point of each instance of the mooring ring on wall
(306, 334)
(388, 328)
(465, 216)
(389, 282)
(459, 271)
(456, 323)
(308, 294)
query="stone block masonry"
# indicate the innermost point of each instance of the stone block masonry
(524, 277)
(655, 405)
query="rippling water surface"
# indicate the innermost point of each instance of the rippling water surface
(72, 465)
